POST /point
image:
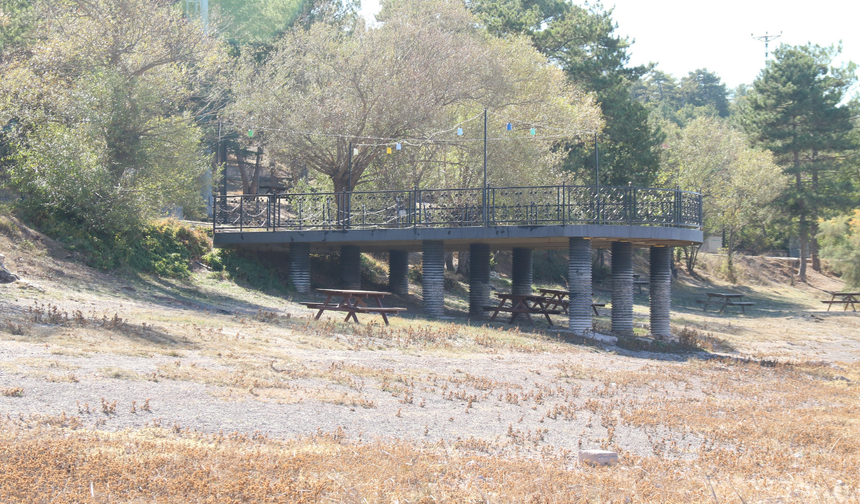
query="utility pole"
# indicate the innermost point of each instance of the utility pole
(766, 39)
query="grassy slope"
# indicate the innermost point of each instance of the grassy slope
(722, 429)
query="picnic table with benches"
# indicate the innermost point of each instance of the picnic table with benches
(724, 300)
(845, 298)
(556, 299)
(525, 304)
(352, 302)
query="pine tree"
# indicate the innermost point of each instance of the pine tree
(794, 110)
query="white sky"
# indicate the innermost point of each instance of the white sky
(683, 35)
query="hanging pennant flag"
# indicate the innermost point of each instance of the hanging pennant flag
(459, 131)
(250, 133)
(533, 132)
(510, 127)
(389, 150)
(397, 146)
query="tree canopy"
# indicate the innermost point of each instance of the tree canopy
(101, 107)
(795, 110)
(426, 69)
(583, 42)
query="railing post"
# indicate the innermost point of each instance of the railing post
(563, 204)
(241, 213)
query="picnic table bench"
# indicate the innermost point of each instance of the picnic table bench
(845, 298)
(724, 300)
(353, 302)
(556, 299)
(525, 304)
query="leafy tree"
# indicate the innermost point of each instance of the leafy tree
(737, 182)
(427, 67)
(794, 110)
(840, 245)
(699, 94)
(102, 111)
(583, 42)
(16, 18)
(702, 88)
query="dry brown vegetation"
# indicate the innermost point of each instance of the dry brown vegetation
(141, 390)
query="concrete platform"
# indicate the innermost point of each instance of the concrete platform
(459, 238)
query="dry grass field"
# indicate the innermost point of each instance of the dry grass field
(127, 389)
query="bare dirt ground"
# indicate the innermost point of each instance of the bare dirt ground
(764, 410)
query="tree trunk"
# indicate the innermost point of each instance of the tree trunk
(802, 217)
(449, 261)
(243, 172)
(813, 241)
(463, 262)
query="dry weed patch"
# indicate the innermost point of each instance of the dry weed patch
(60, 462)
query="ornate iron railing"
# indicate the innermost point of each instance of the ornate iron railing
(494, 206)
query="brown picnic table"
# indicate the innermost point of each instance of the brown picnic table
(724, 300)
(352, 302)
(556, 299)
(845, 298)
(525, 304)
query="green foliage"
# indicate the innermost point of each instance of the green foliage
(698, 94)
(550, 266)
(103, 131)
(257, 21)
(840, 245)
(362, 82)
(583, 42)
(16, 19)
(255, 269)
(166, 247)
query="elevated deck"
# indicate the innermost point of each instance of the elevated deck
(530, 217)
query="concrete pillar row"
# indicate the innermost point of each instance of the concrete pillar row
(479, 279)
(521, 271)
(398, 272)
(622, 288)
(433, 277)
(579, 285)
(660, 290)
(350, 267)
(300, 266)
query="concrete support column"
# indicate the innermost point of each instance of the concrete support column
(660, 290)
(521, 271)
(300, 266)
(398, 272)
(479, 279)
(579, 284)
(622, 288)
(350, 267)
(433, 278)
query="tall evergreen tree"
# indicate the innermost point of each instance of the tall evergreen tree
(794, 110)
(582, 40)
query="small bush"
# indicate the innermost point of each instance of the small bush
(256, 269)
(166, 247)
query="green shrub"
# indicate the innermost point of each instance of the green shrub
(839, 240)
(263, 271)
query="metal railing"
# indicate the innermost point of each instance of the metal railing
(493, 206)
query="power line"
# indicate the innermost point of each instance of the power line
(766, 39)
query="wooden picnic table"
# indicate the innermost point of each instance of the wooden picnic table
(525, 304)
(724, 300)
(845, 298)
(556, 299)
(352, 302)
